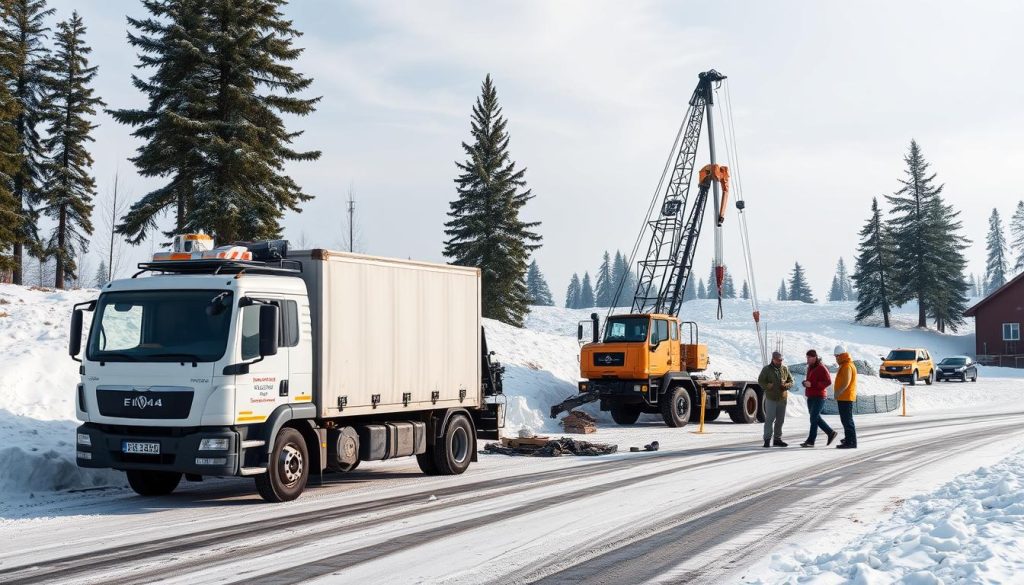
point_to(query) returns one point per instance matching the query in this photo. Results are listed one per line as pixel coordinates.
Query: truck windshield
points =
(160, 326)
(632, 329)
(901, 355)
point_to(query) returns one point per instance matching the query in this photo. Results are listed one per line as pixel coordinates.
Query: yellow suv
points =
(908, 365)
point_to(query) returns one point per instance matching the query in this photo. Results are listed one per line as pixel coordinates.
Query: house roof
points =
(974, 310)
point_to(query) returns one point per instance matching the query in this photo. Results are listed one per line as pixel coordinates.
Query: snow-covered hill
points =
(37, 378)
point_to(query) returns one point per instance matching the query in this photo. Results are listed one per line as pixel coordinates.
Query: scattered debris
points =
(526, 433)
(652, 447)
(550, 448)
(634, 449)
(580, 423)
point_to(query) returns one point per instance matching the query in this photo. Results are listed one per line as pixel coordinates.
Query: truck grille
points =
(609, 358)
(147, 404)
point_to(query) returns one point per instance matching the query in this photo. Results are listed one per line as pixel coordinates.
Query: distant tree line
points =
(1005, 257)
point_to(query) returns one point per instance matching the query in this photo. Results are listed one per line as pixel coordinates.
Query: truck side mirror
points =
(579, 332)
(75, 342)
(268, 330)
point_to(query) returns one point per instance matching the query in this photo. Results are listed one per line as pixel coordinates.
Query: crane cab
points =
(643, 346)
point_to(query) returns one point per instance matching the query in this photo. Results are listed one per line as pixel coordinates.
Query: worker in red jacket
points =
(816, 383)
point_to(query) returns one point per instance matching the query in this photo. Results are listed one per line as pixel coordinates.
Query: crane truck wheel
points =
(747, 409)
(626, 414)
(676, 406)
(153, 483)
(288, 469)
(454, 450)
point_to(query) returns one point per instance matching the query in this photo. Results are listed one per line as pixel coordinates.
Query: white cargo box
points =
(392, 335)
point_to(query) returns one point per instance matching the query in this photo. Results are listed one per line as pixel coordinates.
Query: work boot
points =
(767, 443)
(805, 444)
(832, 437)
(780, 443)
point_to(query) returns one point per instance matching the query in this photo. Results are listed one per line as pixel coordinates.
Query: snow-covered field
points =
(43, 492)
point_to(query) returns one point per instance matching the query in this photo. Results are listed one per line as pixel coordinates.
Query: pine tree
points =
(799, 290)
(873, 267)
(604, 291)
(690, 292)
(835, 293)
(996, 266)
(1017, 237)
(745, 291)
(923, 229)
(783, 294)
(28, 77)
(537, 287)
(702, 293)
(625, 282)
(68, 187)
(728, 287)
(102, 275)
(212, 129)
(485, 229)
(10, 210)
(586, 292)
(947, 300)
(845, 285)
(572, 294)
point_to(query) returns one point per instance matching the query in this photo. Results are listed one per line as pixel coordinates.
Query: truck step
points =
(253, 443)
(253, 470)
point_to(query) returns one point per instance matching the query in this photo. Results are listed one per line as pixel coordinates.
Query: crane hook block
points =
(718, 173)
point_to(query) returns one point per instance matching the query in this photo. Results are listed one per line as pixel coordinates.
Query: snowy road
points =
(701, 509)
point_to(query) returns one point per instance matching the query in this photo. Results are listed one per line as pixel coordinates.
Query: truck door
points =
(675, 358)
(660, 343)
(266, 385)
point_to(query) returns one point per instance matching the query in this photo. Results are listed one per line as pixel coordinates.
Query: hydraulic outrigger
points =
(643, 364)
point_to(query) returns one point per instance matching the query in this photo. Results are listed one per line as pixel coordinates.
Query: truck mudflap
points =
(198, 451)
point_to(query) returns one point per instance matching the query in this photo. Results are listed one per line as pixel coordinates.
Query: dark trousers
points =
(814, 407)
(846, 415)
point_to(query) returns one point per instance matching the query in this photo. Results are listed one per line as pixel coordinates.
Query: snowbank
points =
(969, 530)
(37, 393)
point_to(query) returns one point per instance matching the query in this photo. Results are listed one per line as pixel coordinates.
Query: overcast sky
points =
(826, 97)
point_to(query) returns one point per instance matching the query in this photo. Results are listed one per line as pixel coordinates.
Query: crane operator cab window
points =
(628, 329)
(660, 332)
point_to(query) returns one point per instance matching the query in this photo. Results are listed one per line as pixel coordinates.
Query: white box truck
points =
(250, 361)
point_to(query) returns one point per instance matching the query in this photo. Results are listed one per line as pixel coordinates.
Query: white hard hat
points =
(840, 350)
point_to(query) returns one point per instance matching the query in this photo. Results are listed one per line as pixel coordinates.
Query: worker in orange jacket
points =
(845, 388)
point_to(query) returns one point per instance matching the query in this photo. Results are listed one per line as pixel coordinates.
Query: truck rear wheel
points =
(153, 483)
(288, 469)
(452, 453)
(626, 414)
(676, 407)
(746, 411)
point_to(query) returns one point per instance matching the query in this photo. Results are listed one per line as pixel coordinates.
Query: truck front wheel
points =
(452, 452)
(676, 406)
(153, 483)
(288, 469)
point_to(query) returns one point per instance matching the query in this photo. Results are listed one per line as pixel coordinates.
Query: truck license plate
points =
(140, 447)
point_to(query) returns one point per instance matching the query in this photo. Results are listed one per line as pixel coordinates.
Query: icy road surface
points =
(703, 508)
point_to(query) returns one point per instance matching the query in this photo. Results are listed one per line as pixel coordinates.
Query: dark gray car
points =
(958, 367)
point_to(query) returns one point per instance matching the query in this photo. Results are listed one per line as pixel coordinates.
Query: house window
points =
(1011, 331)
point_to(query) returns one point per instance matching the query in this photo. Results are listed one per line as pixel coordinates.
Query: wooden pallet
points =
(516, 442)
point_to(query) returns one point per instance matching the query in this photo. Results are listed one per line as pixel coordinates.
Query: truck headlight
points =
(214, 445)
(84, 439)
(211, 461)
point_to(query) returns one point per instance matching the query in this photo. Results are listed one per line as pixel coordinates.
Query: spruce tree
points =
(835, 293)
(625, 281)
(996, 265)
(572, 293)
(485, 229)
(604, 291)
(745, 291)
(213, 129)
(586, 292)
(68, 187)
(728, 287)
(845, 284)
(1017, 237)
(537, 287)
(690, 292)
(10, 210)
(102, 276)
(27, 75)
(783, 294)
(799, 290)
(702, 292)
(873, 267)
(947, 300)
(924, 238)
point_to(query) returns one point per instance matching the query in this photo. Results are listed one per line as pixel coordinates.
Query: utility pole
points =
(351, 215)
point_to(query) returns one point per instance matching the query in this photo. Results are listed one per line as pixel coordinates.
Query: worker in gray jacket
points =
(776, 381)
